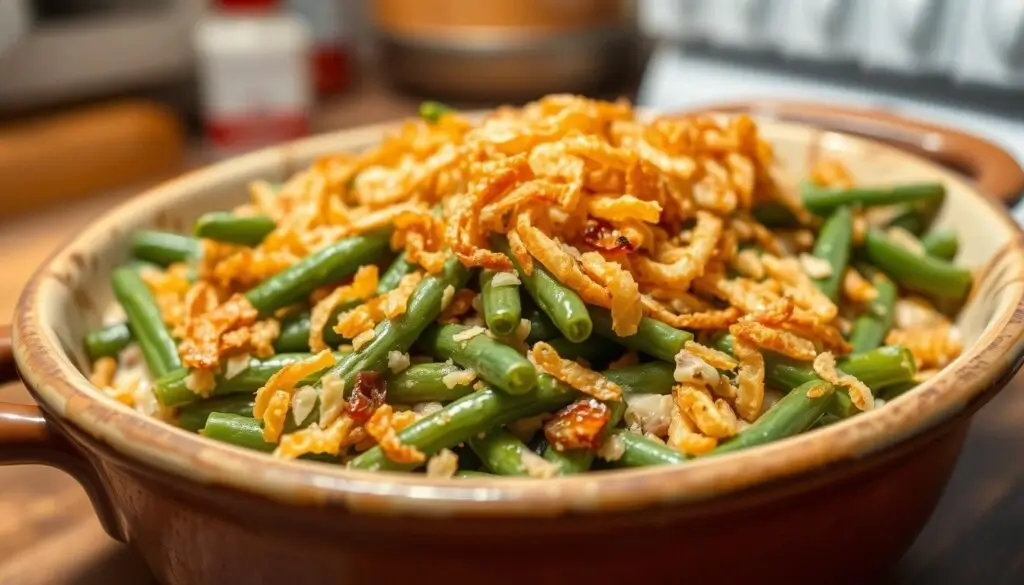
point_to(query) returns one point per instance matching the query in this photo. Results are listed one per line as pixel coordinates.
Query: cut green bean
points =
(432, 111)
(559, 302)
(193, 416)
(639, 451)
(108, 341)
(496, 363)
(773, 214)
(330, 264)
(425, 383)
(871, 326)
(897, 390)
(596, 351)
(794, 413)
(164, 248)
(243, 431)
(502, 309)
(541, 327)
(653, 337)
(468, 416)
(172, 389)
(823, 200)
(400, 333)
(146, 322)
(392, 277)
(833, 246)
(501, 453)
(923, 274)
(294, 335)
(942, 244)
(223, 226)
(648, 378)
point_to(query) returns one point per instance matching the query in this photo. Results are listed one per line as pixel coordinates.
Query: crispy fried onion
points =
(389, 305)
(626, 308)
(776, 340)
(860, 394)
(714, 418)
(684, 436)
(691, 262)
(560, 263)
(273, 398)
(201, 346)
(363, 286)
(933, 346)
(749, 378)
(314, 439)
(422, 236)
(569, 372)
(384, 426)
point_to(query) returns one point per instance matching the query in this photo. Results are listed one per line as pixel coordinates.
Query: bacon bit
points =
(776, 340)
(578, 426)
(315, 439)
(749, 379)
(714, 418)
(932, 346)
(363, 286)
(603, 236)
(713, 357)
(384, 426)
(103, 372)
(860, 394)
(583, 379)
(856, 288)
(444, 464)
(457, 306)
(201, 346)
(368, 394)
(274, 397)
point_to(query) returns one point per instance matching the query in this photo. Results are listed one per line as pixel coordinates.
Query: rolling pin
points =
(84, 152)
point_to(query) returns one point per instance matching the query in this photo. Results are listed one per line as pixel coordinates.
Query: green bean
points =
(243, 431)
(468, 416)
(541, 327)
(223, 226)
(573, 461)
(502, 310)
(653, 337)
(794, 413)
(942, 244)
(400, 333)
(833, 246)
(146, 322)
(392, 277)
(596, 351)
(172, 389)
(871, 326)
(501, 452)
(425, 383)
(193, 416)
(648, 378)
(164, 248)
(823, 200)
(294, 335)
(247, 432)
(897, 390)
(773, 214)
(496, 363)
(330, 264)
(916, 217)
(108, 341)
(433, 111)
(639, 451)
(921, 273)
(471, 474)
(879, 368)
(559, 302)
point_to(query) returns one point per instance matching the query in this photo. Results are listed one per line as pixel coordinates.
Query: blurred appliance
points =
(959, 62)
(72, 49)
(505, 49)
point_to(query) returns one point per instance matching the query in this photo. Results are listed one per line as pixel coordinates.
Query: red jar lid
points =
(247, 4)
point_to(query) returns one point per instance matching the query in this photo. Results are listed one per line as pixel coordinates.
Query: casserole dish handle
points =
(27, 437)
(994, 170)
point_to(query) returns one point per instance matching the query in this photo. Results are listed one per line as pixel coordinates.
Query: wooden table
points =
(49, 536)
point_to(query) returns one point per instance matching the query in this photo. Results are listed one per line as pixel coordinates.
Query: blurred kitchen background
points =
(104, 94)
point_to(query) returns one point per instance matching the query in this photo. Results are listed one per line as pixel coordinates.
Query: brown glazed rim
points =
(963, 386)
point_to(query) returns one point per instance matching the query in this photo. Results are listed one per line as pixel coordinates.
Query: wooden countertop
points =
(49, 535)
